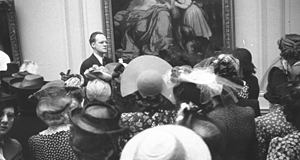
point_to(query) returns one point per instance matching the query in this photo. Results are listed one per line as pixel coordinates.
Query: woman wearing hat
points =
(95, 132)
(287, 70)
(53, 107)
(10, 149)
(208, 107)
(288, 147)
(167, 142)
(146, 97)
(24, 87)
(228, 67)
(274, 124)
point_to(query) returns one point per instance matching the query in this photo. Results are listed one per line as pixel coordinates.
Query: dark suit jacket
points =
(89, 62)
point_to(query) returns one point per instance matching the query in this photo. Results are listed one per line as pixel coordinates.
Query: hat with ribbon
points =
(147, 74)
(167, 142)
(29, 82)
(97, 118)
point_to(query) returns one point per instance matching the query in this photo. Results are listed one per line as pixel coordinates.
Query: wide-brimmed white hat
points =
(166, 142)
(146, 75)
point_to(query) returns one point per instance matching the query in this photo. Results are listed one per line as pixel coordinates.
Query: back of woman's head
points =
(54, 111)
(227, 66)
(87, 145)
(292, 103)
(98, 90)
(289, 46)
(244, 56)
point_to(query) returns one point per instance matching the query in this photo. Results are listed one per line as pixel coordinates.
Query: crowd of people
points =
(152, 109)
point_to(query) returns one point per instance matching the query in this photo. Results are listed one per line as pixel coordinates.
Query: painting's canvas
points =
(162, 27)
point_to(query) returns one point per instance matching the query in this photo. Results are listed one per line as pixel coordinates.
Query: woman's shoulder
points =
(13, 147)
(14, 143)
(286, 147)
(250, 78)
(275, 115)
(275, 72)
(46, 134)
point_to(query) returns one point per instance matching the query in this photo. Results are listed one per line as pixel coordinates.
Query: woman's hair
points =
(227, 66)
(9, 104)
(98, 90)
(292, 103)
(244, 56)
(289, 46)
(53, 117)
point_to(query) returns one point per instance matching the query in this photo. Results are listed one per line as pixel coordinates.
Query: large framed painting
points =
(9, 42)
(168, 28)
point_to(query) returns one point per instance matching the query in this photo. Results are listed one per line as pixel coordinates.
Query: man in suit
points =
(98, 43)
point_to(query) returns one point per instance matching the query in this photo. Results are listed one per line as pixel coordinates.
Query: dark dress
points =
(54, 146)
(12, 149)
(276, 77)
(253, 89)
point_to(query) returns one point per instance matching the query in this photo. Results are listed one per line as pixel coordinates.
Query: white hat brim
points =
(195, 147)
(137, 66)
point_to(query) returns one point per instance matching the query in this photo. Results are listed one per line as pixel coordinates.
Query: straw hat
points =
(146, 75)
(167, 142)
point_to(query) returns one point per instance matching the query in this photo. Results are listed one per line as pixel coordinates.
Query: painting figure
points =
(194, 16)
(144, 27)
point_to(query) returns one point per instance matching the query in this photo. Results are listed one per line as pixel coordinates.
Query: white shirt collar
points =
(100, 59)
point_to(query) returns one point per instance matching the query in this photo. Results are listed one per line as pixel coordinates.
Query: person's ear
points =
(93, 44)
(284, 64)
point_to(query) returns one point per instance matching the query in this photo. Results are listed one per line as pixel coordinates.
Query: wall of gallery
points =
(55, 33)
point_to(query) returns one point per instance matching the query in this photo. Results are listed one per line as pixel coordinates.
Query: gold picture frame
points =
(9, 32)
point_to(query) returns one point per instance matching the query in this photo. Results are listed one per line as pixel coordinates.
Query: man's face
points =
(100, 44)
(7, 117)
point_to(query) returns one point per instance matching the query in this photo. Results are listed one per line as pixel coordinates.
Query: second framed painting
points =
(180, 31)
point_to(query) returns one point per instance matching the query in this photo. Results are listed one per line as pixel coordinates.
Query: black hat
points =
(7, 99)
(97, 118)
